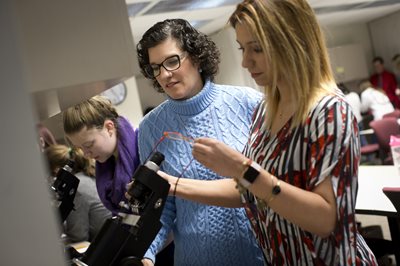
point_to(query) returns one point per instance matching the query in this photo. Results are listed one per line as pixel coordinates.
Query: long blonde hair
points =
(295, 49)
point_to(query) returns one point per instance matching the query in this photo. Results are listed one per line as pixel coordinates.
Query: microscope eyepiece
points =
(69, 166)
(157, 158)
(155, 161)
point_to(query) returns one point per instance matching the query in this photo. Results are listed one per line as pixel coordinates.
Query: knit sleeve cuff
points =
(149, 255)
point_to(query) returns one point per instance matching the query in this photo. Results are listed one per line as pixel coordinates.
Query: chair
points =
(370, 149)
(373, 234)
(395, 113)
(383, 129)
(393, 193)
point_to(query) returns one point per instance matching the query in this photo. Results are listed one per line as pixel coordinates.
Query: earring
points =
(200, 70)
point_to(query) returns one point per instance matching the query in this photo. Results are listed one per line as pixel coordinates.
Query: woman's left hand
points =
(171, 180)
(218, 157)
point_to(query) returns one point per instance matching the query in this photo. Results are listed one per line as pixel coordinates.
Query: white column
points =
(28, 226)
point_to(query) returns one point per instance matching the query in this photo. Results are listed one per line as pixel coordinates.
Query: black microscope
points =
(64, 187)
(124, 239)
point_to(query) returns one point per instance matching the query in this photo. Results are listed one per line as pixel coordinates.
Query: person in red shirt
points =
(385, 80)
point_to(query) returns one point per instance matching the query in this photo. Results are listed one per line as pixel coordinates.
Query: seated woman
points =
(89, 213)
(374, 100)
(46, 138)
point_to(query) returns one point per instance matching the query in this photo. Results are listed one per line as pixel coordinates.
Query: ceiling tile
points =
(134, 9)
(198, 23)
(353, 6)
(211, 15)
(183, 5)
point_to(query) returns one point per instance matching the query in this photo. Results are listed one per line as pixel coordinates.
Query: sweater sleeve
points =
(167, 220)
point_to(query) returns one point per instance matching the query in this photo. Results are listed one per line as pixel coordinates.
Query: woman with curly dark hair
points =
(182, 63)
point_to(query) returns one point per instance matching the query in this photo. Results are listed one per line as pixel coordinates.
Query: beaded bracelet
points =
(244, 182)
(176, 184)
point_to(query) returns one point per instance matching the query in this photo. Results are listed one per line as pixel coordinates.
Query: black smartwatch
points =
(250, 174)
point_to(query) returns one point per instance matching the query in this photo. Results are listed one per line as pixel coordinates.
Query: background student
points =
(374, 100)
(46, 138)
(386, 81)
(89, 213)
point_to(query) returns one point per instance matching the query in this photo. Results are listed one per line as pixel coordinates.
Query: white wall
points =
(385, 37)
(348, 63)
(231, 70)
(351, 34)
(131, 108)
(148, 95)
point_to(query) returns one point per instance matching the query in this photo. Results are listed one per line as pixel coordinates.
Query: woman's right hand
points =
(218, 157)
(147, 262)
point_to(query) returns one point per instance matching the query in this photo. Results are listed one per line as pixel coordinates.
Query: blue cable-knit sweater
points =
(203, 235)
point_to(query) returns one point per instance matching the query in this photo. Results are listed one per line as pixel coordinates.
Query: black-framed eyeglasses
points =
(170, 64)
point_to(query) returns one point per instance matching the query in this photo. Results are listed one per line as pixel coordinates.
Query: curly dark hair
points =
(201, 49)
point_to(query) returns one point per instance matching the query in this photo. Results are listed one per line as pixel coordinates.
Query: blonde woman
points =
(89, 213)
(297, 176)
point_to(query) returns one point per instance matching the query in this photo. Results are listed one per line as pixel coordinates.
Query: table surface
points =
(371, 180)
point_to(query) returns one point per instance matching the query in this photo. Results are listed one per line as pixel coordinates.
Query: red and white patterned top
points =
(325, 146)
